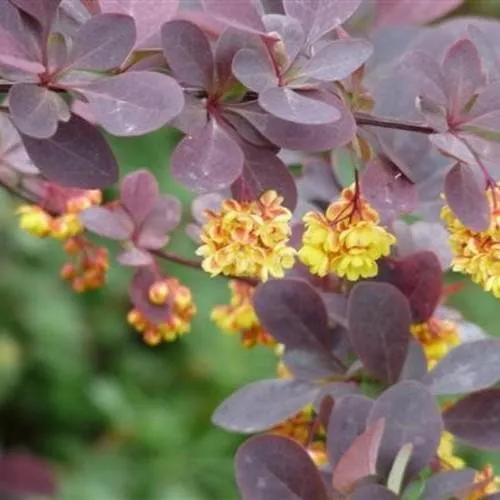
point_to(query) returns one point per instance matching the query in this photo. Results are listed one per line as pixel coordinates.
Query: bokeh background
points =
(120, 420)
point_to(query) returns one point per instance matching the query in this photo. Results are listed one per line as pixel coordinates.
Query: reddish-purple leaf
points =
(263, 171)
(318, 17)
(293, 312)
(148, 19)
(311, 364)
(12, 153)
(261, 405)
(387, 188)
(402, 12)
(134, 103)
(76, 156)
(208, 161)
(139, 295)
(452, 146)
(25, 475)
(134, 257)
(347, 422)
(254, 68)
(139, 193)
(338, 59)
(412, 416)
(433, 113)
(57, 51)
(243, 14)
(33, 110)
(462, 74)
(112, 223)
(372, 492)
(188, 53)
(360, 460)
(379, 326)
(448, 483)
(475, 419)
(163, 218)
(467, 368)
(103, 42)
(297, 106)
(415, 367)
(419, 277)
(43, 11)
(290, 32)
(272, 467)
(466, 198)
(485, 113)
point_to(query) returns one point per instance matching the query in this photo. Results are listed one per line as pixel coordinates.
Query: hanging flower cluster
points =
(177, 322)
(248, 239)
(477, 253)
(239, 316)
(437, 337)
(347, 240)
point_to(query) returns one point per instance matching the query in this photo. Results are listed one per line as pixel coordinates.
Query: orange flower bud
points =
(158, 293)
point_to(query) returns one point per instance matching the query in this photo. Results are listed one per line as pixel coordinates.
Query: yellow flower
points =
(178, 321)
(437, 337)
(66, 226)
(477, 253)
(248, 239)
(35, 220)
(347, 240)
(239, 316)
(487, 484)
(446, 453)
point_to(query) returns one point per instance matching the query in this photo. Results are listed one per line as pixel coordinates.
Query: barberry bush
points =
(344, 159)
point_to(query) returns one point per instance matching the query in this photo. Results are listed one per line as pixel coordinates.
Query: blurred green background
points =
(118, 419)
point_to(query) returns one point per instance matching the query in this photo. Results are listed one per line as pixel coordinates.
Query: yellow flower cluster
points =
(239, 316)
(347, 240)
(437, 337)
(179, 319)
(446, 453)
(90, 266)
(305, 429)
(477, 253)
(38, 222)
(248, 239)
(486, 482)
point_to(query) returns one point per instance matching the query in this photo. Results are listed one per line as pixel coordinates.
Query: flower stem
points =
(376, 121)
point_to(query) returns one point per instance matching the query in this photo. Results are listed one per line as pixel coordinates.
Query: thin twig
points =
(376, 121)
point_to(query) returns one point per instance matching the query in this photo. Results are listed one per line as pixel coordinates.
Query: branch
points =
(375, 121)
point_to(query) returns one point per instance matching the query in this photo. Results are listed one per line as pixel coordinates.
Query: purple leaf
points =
(372, 492)
(254, 68)
(360, 460)
(242, 14)
(103, 42)
(347, 422)
(408, 12)
(139, 193)
(452, 146)
(43, 11)
(188, 53)
(134, 257)
(466, 198)
(163, 218)
(113, 223)
(318, 17)
(379, 326)
(419, 278)
(76, 156)
(310, 364)
(475, 419)
(13, 156)
(208, 161)
(134, 103)
(415, 367)
(412, 416)
(261, 405)
(290, 32)
(33, 110)
(433, 113)
(297, 106)
(485, 113)
(293, 312)
(57, 51)
(448, 483)
(148, 20)
(272, 467)
(25, 475)
(264, 171)
(338, 59)
(139, 295)
(387, 188)
(462, 73)
(467, 368)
